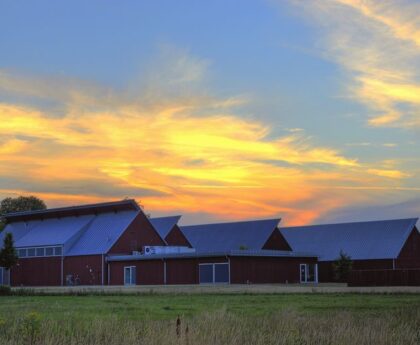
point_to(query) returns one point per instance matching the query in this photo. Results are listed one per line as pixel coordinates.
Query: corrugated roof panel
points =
(224, 237)
(18, 230)
(361, 240)
(53, 231)
(102, 233)
(163, 225)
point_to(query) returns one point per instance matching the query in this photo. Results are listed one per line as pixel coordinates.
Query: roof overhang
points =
(115, 206)
(232, 253)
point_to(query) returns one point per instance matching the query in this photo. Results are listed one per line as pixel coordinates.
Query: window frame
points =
(213, 265)
(306, 270)
(133, 277)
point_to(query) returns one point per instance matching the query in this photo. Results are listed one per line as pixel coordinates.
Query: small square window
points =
(49, 251)
(22, 253)
(57, 251)
(31, 251)
(40, 252)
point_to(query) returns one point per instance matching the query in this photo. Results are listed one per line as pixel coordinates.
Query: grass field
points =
(211, 319)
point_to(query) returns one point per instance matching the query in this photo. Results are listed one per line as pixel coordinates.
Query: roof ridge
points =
(241, 221)
(357, 222)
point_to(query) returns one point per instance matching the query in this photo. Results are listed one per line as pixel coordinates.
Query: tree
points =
(20, 204)
(8, 255)
(342, 267)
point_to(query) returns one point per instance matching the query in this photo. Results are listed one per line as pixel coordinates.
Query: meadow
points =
(211, 319)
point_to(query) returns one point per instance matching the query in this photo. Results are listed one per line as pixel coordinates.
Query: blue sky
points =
(325, 94)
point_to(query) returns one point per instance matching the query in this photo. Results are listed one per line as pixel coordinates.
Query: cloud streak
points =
(378, 45)
(186, 151)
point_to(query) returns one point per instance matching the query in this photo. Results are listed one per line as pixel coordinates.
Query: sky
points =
(218, 110)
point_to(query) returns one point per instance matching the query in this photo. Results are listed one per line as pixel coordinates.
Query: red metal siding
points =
(266, 270)
(183, 271)
(276, 241)
(398, 277)
(326, 270)
(176, 238)
(87, 267)
(37, 272)
(138, 234)
(409, 256)
(147, 272)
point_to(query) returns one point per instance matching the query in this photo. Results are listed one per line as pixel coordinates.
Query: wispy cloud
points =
(184, 151)
(378, 44)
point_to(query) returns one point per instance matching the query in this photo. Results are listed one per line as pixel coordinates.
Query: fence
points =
(397, 277)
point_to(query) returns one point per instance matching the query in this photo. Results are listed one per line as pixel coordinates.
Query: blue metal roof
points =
(223, 237)
(362, 240)
(102, 233)
(83, 235)
(164, 225)
(53, 231)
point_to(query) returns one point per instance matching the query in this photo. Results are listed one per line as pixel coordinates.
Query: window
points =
(39, 252)
(214, 273)
(130, 275)
(308, 273)
(206, 273)
(221, 273)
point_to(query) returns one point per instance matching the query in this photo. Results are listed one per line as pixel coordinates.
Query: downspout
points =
(228, 257)
(109, 272)
(164, 271)
(102, 275)
(62, 270)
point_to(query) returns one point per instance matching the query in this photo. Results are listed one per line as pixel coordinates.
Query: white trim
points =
(131, 268)
(306, 269)
(213, 264)
(35, 250)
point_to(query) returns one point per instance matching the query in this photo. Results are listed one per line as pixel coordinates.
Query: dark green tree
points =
(342, 267)
(8, 255)
(20, 204)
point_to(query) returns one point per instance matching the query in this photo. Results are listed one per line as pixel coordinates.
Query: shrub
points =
(31, 326)
(5, 290)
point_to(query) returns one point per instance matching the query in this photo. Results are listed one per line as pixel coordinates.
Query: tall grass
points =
(401, 327)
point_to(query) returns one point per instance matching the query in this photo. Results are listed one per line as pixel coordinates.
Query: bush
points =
(5, 290)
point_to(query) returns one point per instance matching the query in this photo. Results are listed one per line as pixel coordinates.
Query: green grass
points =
(212, 319)
(158, 307)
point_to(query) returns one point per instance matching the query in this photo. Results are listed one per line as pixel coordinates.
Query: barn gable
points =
(361, 240)
(222, 237)
(169, 230)
(276, 241)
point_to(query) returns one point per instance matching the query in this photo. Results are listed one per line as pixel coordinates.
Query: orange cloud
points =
(188, 152)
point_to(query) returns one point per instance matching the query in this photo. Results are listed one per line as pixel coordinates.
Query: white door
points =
(130, 275)
(308, 273)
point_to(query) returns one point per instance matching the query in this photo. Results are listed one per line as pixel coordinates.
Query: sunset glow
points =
(180, 140)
